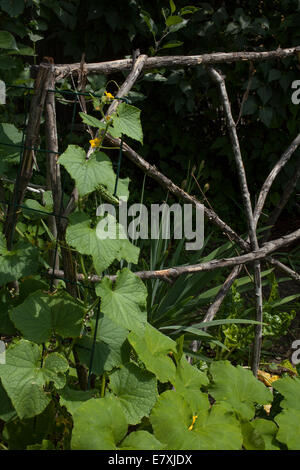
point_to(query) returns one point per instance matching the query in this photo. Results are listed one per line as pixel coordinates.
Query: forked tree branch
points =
(219, 79)
(213, 309)
(166, 183)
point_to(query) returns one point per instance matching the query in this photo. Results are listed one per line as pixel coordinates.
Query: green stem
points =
(67, 354)
(103, 383)
(94, 304)
(229, 352)
(36, 234)
(83, 267)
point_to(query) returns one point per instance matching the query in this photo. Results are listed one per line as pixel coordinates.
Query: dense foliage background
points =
(181, 121)
(140, 382)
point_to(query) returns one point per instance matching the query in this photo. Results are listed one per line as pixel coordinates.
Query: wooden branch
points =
(256, 349)
(272, 175)
(57, 225)
(176, 271)
(214, 307)
(130, 80)
(28, 157)
(284, 268)
(288, 191)
(34, 188)
(114, 66)
(53, 168)
(71, 205)
(219, 79)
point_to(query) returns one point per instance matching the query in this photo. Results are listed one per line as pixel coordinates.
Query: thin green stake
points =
(93, 347)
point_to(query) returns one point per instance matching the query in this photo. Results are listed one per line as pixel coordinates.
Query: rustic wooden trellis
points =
(44, 100)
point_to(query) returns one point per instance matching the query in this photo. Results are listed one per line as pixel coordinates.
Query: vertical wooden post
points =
(28, 156)
(53, 169)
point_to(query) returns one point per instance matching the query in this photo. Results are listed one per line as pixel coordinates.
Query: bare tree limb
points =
(284, 268)
(272, 175)
(28, 157)
(137, 67)
(176, 271)
(110, 67)
(34, 188)
(214, 307)
(288, 191)
(219, 79)
(53, 169)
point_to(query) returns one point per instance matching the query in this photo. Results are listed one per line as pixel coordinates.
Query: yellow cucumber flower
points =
(95, 142)
(109, 95)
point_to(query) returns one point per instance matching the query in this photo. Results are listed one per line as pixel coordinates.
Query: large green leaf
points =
(252, 439)
(89, 174)
(136, 390)
(141, 440)
(99, 424)
(7, 411)
(170, 419)
(125, 300)
(7, 41)
(289, 428)
(103, 250)
(8, 301)
(175, 425)
(127, 121)
(20, 433)
(153, 349)
(6, 325)
(92, 121)
(267, 429)
(188, 381)
(73, 399)
(290, 388)
(10, 139)
(41, 315)
(218, 429)
(23, 377)
(13, 8)
(32, 209)
(238, 386)
(110, 348)
(20, 262)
